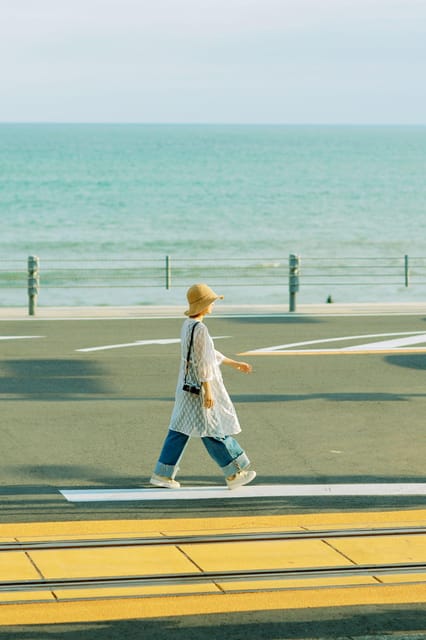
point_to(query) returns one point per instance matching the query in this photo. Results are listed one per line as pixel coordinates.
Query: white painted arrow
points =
(139, 343)
(19, 337)
(414, 337)
(390, 344)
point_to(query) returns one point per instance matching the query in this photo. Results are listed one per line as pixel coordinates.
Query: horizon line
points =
(213, 124)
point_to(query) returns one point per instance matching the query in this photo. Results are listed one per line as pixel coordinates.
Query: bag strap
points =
(189, 350)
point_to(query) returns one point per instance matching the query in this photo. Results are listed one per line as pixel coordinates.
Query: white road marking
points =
(415, 337)
(391, 344)
(19, 337)
(249, 491)
(131, 344)
(139, 343)
(335, 352)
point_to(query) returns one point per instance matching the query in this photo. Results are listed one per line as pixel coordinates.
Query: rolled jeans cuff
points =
(166, 470)
(242, 462)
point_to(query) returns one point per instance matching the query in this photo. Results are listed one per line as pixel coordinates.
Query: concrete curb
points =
(69, 313)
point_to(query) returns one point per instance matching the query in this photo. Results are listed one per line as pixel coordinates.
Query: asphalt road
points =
(97, 419)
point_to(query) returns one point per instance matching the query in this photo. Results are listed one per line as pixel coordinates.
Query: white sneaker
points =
(163, 481)
(239, 479)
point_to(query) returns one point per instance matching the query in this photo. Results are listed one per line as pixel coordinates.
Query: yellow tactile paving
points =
(233, 531)
(383, 549)
(208, 597)
(27, 596)
(207, 587)
(305, 583)
(415, 517)
(278, 554)
(133, 608)
(88, 536)
(403, 577)
(127, 561)
(154, 534)
(385, 523)
(15, 565)
(175, 589)
(7, 540)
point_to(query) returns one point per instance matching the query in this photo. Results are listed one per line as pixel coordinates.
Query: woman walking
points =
(203, 407)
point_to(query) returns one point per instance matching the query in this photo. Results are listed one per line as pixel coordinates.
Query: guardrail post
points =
(406, 271)
(168, 272)
(33, 283)
(293, 279)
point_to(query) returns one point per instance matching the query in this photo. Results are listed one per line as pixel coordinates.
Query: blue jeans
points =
(226, 452)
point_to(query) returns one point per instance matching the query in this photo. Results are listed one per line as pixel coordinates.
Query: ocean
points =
(227, 203)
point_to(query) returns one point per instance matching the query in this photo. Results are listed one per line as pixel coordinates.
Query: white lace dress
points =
(189, 416)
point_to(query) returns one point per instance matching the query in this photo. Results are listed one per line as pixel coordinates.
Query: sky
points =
(213, 61)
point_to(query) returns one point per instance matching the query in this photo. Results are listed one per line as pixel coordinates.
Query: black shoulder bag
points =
(188, 386)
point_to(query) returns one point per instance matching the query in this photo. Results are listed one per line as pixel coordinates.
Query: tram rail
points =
(374, 570)
(247, 576)
(269, 536)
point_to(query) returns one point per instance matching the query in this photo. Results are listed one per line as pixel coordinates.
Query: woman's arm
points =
(208, 401)
(239, 366)
(207, 395)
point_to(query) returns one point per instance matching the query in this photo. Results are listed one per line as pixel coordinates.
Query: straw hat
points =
(199, 297)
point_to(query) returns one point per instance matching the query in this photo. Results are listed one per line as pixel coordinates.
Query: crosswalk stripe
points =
(249, 491)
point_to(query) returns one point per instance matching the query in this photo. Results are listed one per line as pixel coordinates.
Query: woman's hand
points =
(244, 367)
(208, 401)
(239, 366)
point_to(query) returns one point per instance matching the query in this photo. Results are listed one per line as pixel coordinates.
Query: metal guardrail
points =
(168, 273)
